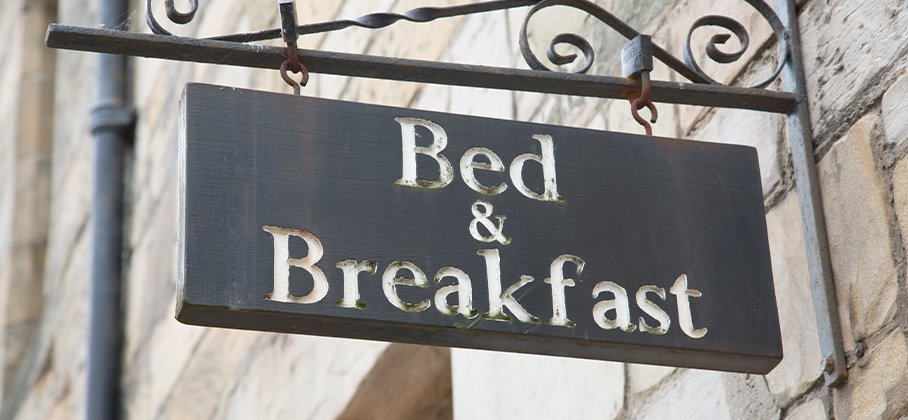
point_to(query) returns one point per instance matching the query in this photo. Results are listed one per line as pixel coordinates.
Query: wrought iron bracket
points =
(813, 220)
(701, 90)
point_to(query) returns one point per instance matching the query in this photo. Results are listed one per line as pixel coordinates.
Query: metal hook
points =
(638, 104)
(288, 32)
(645, 101)
(304, 78)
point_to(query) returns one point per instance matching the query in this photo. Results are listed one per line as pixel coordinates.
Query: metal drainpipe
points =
(111, 128)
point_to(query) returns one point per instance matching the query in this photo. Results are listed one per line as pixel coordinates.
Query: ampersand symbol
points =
(481, 212)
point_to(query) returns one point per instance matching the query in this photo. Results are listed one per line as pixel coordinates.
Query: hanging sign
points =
(332, 218)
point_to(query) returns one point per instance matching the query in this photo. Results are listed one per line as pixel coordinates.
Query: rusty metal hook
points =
(645, 101)
(638, 104)
(287, 65)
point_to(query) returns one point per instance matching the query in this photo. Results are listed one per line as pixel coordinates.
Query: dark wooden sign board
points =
(268, 181)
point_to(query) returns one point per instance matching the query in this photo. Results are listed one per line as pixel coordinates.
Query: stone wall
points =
(9, 80)
(855, 56)
(27, 109)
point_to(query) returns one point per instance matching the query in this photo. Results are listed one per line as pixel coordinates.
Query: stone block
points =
(17, 342)
(812, 409)
(800, 366)
(895, 113)
(151, 281)
(210, 375)
(571, 111)
(71, 171)
(212, 21)
(403, 40)
(57, 361)
(856, 203)
(4, 340)
(163, 356)
(900, 192)
(689, 394)
(154, 170)
(379, 92)
(436, 98)
(72, 131)
(35, 128)
(597, 122)
(32, 200)
(229, 76)
(700, 394)
(482, 102)
(353, 41)
(528, 104)
(484, 39)
(156, 98)
(877, 386)
(490, 31)
(51, 399)
(760, 130)
(552, 110)
(490, 385)
(749, 397)
(580, 112)
(80, 13)
(310, 12)
(849, 47)
(69, 209)
(37, 61)
(25, 293)
(327, 371)
(644, 377)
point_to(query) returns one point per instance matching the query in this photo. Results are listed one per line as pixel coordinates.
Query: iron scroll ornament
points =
(740, 32)
(175, 16)
(689, 68)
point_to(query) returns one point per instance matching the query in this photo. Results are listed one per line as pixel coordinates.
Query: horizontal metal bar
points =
(267, 57)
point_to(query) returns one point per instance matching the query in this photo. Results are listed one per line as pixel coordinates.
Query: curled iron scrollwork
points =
(689, 68)
(740, 32)
(175, 16)
(561, 59)
(574, 40)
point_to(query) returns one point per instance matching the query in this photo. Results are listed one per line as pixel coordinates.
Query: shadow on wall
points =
(406, 382)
